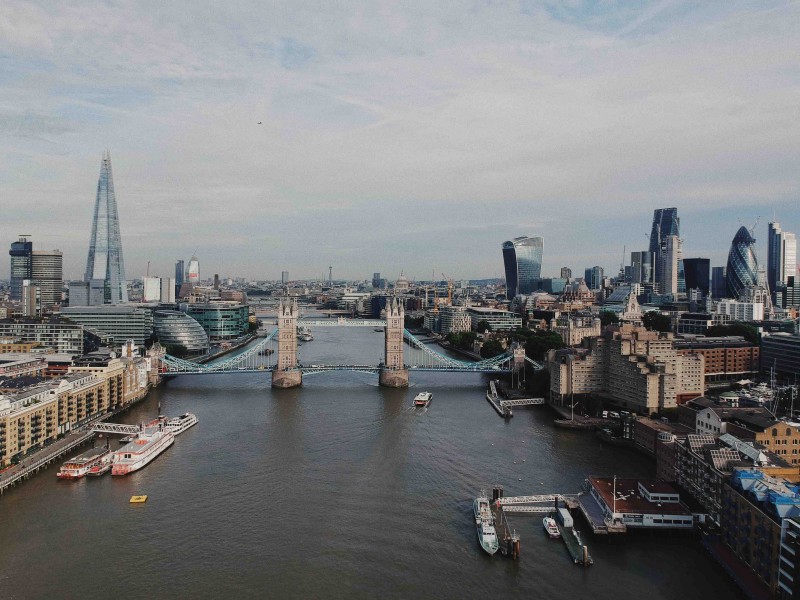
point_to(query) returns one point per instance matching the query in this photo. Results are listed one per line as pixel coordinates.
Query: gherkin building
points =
(742, 271)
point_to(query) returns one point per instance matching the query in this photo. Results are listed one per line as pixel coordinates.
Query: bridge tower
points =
(518, 366)
(286, 373)
(393, 372)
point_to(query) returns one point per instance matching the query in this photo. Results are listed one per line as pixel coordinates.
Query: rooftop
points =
(629, 500)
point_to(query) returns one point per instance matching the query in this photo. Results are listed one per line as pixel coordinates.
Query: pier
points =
(509, 540)
(576, 548)
(41, 459)
(503, 407)
(541, 504)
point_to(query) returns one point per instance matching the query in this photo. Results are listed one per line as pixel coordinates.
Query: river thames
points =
(339, 489)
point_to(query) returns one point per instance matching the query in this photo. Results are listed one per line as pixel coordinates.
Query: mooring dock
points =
(542, 504)
(503, 407)
(576, 548)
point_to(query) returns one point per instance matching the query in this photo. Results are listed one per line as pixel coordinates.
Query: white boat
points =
(423, 399)
(151, 441)
(484, 521)
(77, 467)
(178, 425)
(550, 526)
(304, 334)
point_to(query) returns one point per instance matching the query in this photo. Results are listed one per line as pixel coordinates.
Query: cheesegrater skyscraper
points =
(104, 263)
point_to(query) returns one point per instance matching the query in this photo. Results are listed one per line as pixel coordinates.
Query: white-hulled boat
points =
(77, 467)
(550, 526)
(151, 441)
(422, 399)
(178, 425)
(484, 522)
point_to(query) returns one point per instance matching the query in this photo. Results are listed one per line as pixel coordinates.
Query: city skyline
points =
(438, 132)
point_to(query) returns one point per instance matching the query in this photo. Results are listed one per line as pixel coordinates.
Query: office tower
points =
(718, 286)
(151, 289)
(47, 275)
(285, 278)
(193, 272)
(522, 258)
(86, 293)
(742, 269)
(31, 299)
(665, 224)
(20, 253)
(216, 281)
(593, 277)
(167, 290)
(781, 262)
(670, 265)
(376, 280)
(179, 273)
(642, 267)
(104, 262)
(566, 273)
(698, 274)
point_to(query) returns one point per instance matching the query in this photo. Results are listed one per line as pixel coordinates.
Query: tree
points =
(748, 332)
(483, 325)
(608, 318)
(654, 320)
(491, 348)
(414, 322)
(463, 340)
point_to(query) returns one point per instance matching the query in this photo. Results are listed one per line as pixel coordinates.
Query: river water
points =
(339, 489)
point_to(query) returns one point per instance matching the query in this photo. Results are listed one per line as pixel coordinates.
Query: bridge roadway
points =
(341, 322)
(308, 369)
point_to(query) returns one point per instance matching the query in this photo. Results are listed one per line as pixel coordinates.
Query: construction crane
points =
(449, 289)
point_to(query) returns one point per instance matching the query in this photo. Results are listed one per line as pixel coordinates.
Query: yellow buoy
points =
(138, 499)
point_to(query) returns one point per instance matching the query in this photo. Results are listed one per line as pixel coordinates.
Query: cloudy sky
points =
(415, 135)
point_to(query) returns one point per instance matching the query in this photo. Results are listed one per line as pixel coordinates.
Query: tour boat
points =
(180, 424)
(550, 527)
(151, 441)
(423, 399)
(484, 522)
(304, 334)
(77, 467)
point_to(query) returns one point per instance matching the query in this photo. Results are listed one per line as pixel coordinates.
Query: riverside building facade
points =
(631, 367)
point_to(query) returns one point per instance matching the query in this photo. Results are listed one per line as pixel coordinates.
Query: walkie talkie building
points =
(104, 262)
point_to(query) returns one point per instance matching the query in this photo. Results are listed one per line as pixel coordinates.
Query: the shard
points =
(104, 265)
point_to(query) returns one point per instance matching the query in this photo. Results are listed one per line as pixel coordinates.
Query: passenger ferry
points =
(423, 399)
(178, 425)
(77, 467)
(151, 441)
(304, 334)
(484, 522)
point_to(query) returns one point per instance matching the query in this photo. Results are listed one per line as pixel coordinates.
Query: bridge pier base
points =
(287, 379)
(393, 378)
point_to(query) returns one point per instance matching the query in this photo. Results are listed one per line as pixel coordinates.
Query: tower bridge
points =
(402, 353)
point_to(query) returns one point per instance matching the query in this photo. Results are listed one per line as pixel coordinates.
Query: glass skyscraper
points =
(522, 258)
(698, 274)
(781, 262)
(104, 262)
(21, 254)
(742, 269)
(667, 266)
